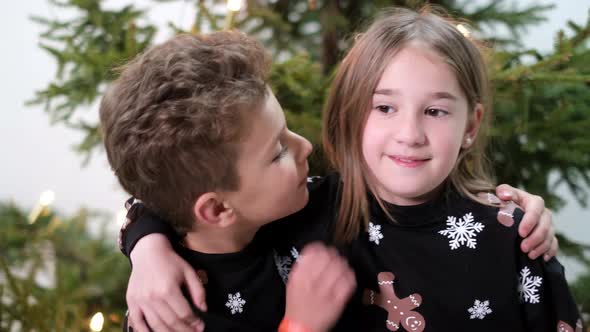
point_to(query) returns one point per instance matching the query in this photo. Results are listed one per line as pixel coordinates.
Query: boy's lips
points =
(408, 161)
(304, 180)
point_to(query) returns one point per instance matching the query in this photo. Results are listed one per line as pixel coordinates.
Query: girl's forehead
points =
(418, 65)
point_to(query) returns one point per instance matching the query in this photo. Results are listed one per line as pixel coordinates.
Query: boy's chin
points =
(304, 200)
(299, 203)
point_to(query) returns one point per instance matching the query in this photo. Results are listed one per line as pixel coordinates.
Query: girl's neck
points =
(411, 200)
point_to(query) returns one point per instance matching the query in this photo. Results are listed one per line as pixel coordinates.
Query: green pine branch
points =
(86, 48)
(89, 273)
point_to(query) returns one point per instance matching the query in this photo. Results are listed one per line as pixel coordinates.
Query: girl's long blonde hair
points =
(351, 93)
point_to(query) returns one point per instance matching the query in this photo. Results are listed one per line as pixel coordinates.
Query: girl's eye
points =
(281, 154)
(384, 109)
(435, 112)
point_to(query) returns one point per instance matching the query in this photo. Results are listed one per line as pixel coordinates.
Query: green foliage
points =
(581, 289)
(323, 28)
(301, 87)
(88, 273)
(541, 108)
(581, 286)
(87, 48)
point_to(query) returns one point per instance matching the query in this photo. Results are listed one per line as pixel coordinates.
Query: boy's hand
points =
(154, 294)
(537, 224)
(319, 286)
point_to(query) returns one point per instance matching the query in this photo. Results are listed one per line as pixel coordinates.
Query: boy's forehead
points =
(272, 102)
(265, 125)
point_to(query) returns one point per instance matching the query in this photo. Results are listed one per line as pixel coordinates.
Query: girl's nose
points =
(410, 130)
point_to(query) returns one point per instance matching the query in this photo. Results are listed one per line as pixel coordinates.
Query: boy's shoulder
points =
(243, 290)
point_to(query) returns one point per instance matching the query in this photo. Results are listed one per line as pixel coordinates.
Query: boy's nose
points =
(305, 148)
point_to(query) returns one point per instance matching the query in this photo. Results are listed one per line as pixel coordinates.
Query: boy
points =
(193, 131)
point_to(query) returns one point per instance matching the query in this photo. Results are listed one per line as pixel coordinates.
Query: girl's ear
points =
(210, 209)
(473, 124)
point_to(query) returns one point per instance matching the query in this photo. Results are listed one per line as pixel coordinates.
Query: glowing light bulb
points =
(47, 197)
(463, 29)
(234, 5)
(121, 217)
(96, 322)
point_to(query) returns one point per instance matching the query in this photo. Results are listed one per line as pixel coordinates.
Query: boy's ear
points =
(473, 124)
(210, 209)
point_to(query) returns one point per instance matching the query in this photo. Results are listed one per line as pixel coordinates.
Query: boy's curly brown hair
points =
(172, 120)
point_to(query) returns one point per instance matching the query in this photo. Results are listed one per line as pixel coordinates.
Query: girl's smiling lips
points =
(408, 161)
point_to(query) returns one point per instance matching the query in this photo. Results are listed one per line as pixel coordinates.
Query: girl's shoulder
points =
(490, 209)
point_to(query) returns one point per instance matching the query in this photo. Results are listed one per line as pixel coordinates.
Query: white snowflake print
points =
(480, 309)
(235, 303)
(374, 233)
(295, 253)
(283, 264)
(528, 286)
(312, 179)
(462, 231)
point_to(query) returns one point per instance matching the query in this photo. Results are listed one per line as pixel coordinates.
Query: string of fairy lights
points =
(43, 207)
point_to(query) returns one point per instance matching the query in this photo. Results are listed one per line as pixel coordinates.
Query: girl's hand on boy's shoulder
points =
(536, 226)
(320, 284)
(154, 294)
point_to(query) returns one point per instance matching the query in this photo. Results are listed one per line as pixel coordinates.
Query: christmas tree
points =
(541, 106)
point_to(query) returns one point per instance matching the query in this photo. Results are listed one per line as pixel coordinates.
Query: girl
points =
(405, 122)
(404, 129)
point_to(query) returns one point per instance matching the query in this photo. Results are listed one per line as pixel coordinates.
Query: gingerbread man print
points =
(400, 311)
(565, 327)
(506, 212)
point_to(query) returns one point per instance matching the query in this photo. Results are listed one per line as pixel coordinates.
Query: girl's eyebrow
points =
(436, 95)
(387, 92)
(443, 95)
